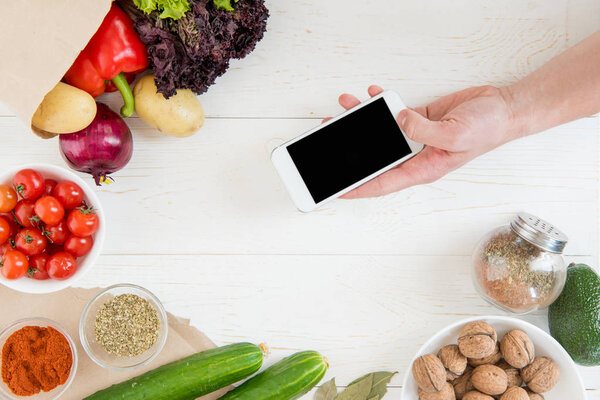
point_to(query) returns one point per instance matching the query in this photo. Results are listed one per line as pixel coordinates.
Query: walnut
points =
(517, 348)
(489, 379)
(491, 359)
(515, 393)
(513, 374)
(454, 362)
(475, 395)
(463, 384)
(447, 393)
(429, 373)
(541, 375)
(477, 339)
(533, 395)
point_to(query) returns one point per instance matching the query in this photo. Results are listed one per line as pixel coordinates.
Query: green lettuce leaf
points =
(174, 9)
(146, 6)
(224, 4)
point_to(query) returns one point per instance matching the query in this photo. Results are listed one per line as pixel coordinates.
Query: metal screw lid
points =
(539, 232)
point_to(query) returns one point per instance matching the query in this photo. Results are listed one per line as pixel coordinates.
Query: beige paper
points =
(66, 306)
(40, 41)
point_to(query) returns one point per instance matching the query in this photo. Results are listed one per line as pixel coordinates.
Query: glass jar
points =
(520, 267)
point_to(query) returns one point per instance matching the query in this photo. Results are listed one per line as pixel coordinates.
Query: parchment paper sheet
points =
(65, 307)
(40, 41)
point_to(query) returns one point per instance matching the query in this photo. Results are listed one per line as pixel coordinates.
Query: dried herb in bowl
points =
(127, 325)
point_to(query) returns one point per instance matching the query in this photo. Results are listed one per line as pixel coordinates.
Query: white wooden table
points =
(206, 224)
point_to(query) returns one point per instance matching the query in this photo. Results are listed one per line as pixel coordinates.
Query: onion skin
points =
(100, 149)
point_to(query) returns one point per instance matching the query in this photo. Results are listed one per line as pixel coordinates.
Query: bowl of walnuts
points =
(489, 358)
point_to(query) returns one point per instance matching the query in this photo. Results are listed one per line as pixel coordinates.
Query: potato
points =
(181, 115)
(65, 109)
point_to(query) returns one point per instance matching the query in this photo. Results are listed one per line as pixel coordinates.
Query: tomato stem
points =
(28, 238)
(16, 219)
(47, 234)
(20, 189)
(85, 209)
(35, 220)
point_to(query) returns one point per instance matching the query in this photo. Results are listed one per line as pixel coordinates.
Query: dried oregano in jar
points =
(519, 267)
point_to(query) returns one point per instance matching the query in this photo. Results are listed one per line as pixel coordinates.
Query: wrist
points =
(518, 109)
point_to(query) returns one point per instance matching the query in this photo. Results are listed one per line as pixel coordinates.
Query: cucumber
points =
(289, 379)
(190, 377)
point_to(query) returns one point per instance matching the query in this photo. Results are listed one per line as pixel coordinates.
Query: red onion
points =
(102, 148)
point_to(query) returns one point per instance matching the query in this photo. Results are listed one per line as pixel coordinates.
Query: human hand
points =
(455, 129)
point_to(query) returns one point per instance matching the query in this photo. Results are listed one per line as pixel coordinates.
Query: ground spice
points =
(35, 358)
(127, 325)
(505, 273)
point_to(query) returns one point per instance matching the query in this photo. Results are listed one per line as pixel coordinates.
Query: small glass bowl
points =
(55, 393)
(87, 333)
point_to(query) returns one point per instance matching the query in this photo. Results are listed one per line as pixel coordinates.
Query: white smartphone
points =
(344, 152)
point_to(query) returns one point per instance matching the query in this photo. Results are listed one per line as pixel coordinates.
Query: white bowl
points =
(84, 264)
(570, 386)
(5, 392)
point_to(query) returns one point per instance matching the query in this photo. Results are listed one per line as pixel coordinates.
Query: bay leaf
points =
(374, 398)
(328, 391)
(358, 390)
(380, 381)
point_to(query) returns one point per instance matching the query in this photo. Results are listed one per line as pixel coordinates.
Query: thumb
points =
(440, 134)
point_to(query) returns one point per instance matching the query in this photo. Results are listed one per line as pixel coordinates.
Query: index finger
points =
(418, 170)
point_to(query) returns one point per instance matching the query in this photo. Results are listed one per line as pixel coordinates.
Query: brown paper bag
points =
(40, 41)
(66, 306)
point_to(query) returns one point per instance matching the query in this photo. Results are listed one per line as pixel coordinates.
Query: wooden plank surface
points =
(205, 223)
(364, 313)
(219, 189)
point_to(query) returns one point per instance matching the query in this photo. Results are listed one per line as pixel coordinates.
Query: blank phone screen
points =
(349, 150)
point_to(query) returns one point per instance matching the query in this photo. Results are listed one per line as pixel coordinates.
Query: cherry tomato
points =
(37, 267)
(29, 184)
(6, 246)
(69, 194)
(31, 242)
(8, 198)
(79, 246)
(83, 221)
(4, 230)
(52, 249)
(61, 266)
(49, 209)
(14, 225)
(49, 185)
(14, 264)
(25, 213)
(58, 233)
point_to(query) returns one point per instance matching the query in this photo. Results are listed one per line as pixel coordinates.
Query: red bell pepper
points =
(114, 49)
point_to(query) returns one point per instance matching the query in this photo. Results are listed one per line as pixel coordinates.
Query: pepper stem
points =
(121, 83)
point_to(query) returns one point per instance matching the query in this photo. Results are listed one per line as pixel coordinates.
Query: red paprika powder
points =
(35, 358)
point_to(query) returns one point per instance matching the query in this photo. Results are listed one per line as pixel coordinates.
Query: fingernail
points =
(401, 118)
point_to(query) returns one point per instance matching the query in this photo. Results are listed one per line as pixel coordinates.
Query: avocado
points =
(574, 318)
